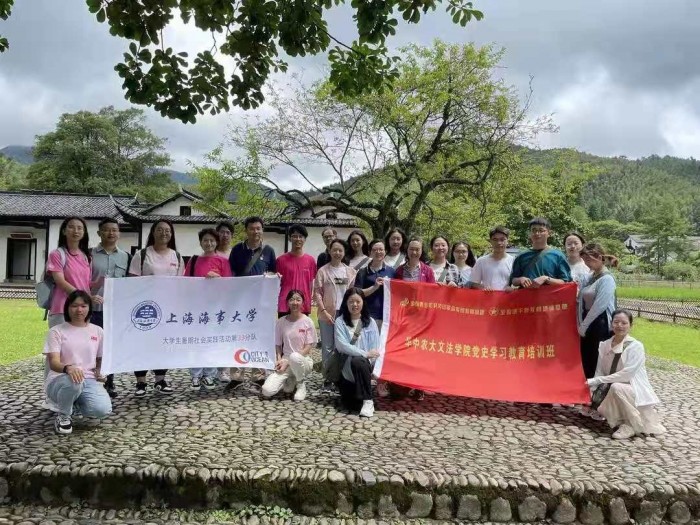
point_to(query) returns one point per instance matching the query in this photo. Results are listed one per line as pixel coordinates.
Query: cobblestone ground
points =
(438, 441)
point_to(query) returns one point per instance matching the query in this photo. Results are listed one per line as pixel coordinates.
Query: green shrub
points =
(676, 271)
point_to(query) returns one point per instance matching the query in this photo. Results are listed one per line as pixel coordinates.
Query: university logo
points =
(241, 356)
(146, 315)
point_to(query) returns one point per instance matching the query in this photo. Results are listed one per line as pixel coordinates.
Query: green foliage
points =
(679, 271)
(111, 151)
(266, 510)
(5, 10)
(612, 247)
(447, 124)
(13, 175)
(612, 229)
(255, 35)
(667, 227)
(659, 293)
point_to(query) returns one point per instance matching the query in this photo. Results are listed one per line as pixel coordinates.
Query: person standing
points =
(396, 244)
(414, 269)
(210, 265)
(542, 265)
(358, 250)
(297, 271)
(492, 271)
(225, 231)
(69, 266)
(251, 257)
(332, 280)
(463, 258)
(159, 257)
(328, 234)
(445, 272)
(108, 261)
(573, 244)
(596, 303)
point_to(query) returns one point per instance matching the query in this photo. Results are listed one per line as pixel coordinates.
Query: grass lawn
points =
(23, 330)
(659, 293)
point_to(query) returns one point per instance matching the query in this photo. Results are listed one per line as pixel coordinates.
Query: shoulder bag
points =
(336, 360)
(600, 393)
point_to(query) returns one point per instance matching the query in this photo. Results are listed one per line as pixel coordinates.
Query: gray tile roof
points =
(31, 203)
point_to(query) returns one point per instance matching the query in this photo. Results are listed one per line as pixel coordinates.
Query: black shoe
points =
(111, 391)
(163, 387)
(140, 389)
(232, 385)
(63, 424)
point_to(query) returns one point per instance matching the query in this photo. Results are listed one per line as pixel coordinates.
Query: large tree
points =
(448, 123)
(105, 152)
(255, 33)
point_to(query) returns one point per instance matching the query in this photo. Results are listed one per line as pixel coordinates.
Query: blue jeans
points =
(90, 396)
(203, 372)
(327, 341)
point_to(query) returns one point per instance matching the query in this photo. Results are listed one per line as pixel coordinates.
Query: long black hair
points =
(404, 240)
(151, 237)
(77, 294)
(83, 244)
(345, 311)
(365, 245)
(471, 260)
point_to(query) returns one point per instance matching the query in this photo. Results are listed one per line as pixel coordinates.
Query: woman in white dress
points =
(630, 402)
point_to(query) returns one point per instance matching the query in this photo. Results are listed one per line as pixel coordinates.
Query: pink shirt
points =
(208, 263)
(157, 264)
(77, 346)
(297, 273)
(76, 272)
(293, 336)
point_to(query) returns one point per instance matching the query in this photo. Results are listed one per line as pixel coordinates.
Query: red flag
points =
(510, 346)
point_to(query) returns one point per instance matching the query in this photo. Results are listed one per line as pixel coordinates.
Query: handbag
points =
(45, 288)
(336, 360)
(600, 393)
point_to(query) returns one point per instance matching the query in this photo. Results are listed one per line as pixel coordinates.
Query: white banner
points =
(189, 322)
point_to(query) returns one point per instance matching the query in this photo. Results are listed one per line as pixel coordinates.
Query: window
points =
(185, 211)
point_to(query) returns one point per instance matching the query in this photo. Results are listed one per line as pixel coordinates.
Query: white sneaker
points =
(63, 424)
(383, 389)
(290, 385)
(196, 384)
(624, 432)
(300, 394)
(224, 376)
(367, 408)
(208, 383)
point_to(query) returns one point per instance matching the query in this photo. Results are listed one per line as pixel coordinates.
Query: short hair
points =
(252, 220)
(107, 220)
(298, 228)
(224, 224)
(624, 312)
(575, 234)
(209, 231)
(376, 241)
(77, 294)
(365, 318)
(539, 221)
(327, 228)
(499, 229)
(293, 292)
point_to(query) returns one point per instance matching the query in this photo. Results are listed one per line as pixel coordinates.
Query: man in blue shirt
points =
(542, 265)
(252, 257)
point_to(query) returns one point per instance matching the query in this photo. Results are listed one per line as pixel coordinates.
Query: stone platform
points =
(443, 458)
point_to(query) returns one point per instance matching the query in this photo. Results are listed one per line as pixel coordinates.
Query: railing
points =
(680, 312)
(658, 284)
(17, 292)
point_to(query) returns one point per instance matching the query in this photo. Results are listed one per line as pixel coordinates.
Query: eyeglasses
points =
(297, 237)
(538, 230)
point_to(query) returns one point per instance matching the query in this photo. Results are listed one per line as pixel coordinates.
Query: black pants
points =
(97, 318)
(353, 394)
(598, 331)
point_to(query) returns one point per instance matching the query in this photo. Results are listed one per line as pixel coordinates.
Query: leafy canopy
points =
(254, 33)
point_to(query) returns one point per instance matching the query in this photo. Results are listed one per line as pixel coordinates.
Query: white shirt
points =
(631, 369)
(579, 273)
(355, 262)
(492, 273)
(395, 260)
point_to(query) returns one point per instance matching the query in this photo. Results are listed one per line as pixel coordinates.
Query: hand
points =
(212, 275)
(379, 282)
(593, 382)
(452, 284)
(525, 282)
(489, 289)
(541, 280)
(372, 354)
(327, 317)
(97, 283)
(99, 377)
(75, 373)
(97, 299)
(581, 331)
(281, 365)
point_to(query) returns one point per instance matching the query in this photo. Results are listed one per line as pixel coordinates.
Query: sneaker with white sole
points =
(367, 408)
(224, 376)
(196, 384)
(208, 383)
(383, 389)
(624, 432)
(300, 394)
(63, 424)
(140, 389)
(290, 384)
(162, 387)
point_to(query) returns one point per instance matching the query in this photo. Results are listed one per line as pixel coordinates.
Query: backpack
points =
(45, 288)
(142, 255)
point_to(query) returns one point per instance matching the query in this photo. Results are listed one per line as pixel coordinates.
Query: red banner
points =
(510, 346)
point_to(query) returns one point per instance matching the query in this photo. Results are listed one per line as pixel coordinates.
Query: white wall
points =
(314, 243)
(173, 207)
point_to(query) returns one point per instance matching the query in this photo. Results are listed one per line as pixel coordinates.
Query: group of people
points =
(346, 284)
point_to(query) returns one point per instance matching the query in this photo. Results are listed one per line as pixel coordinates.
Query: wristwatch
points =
(65, 369)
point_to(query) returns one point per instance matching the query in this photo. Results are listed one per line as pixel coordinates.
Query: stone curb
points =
(361, 493)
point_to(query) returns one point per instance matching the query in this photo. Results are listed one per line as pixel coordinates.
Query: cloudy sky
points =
(621, 77)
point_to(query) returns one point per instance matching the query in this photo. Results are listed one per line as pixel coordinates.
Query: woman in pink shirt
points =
(74, 354)
(160, 257)
(209, 265)
(69, 266)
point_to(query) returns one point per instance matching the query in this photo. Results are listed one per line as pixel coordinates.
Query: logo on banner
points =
(146, 315)
(243, 357)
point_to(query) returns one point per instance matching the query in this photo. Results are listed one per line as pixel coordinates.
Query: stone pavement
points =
(442, 458)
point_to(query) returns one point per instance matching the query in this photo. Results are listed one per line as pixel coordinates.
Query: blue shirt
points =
(551, 263)
(366, 278)
(241, 256)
